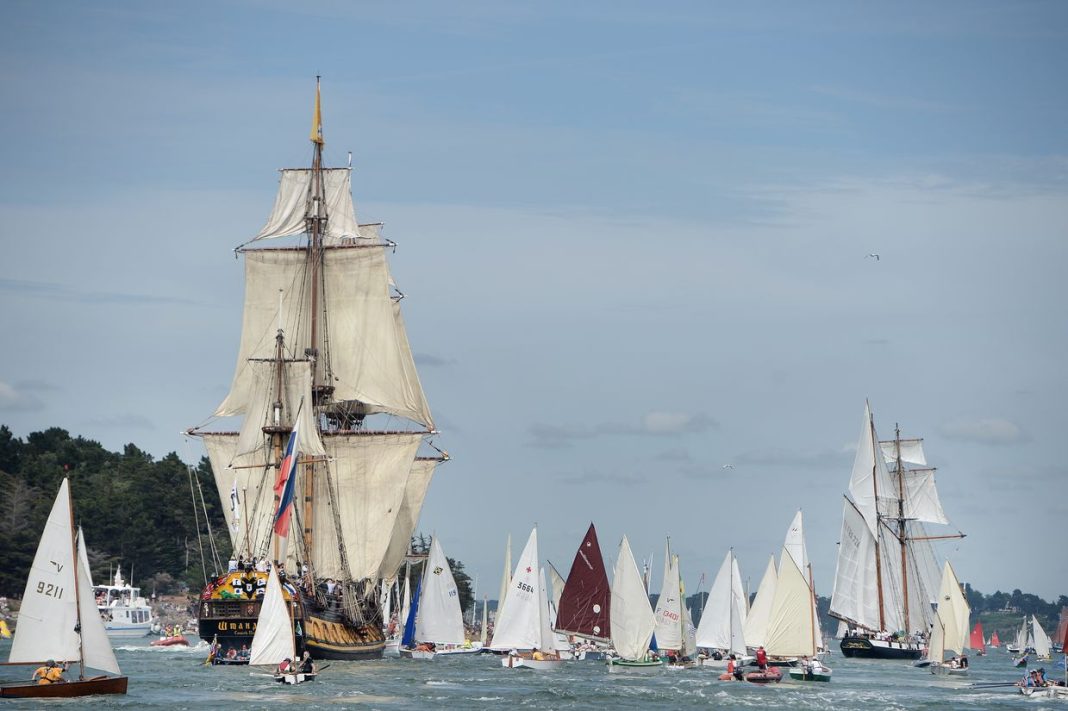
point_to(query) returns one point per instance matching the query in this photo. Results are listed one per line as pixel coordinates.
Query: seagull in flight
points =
(728, 466)
(872, 255)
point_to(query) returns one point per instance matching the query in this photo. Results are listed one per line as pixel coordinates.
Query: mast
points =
(875, 490)
(77, 596)
(901, 525)
(315, 257)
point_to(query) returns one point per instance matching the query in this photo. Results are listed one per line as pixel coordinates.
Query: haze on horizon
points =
(634, 243)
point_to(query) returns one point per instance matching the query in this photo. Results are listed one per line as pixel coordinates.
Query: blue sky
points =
(633, 240)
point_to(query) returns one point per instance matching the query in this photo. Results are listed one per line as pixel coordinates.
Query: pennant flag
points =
(285, 485)
(235, 506)
(317, 118)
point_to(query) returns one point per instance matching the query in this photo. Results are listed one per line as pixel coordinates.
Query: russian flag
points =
(285, 485)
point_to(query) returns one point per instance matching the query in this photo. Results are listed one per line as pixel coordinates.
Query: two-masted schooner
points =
(327, 388)
(887, 575)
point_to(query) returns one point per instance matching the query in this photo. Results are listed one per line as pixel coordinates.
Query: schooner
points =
(887, 576)
(327, 388)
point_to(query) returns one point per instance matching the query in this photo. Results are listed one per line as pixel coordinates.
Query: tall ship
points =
(325, 474)
(887, 573)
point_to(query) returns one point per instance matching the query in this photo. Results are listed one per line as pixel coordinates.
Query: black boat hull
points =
(870, 648)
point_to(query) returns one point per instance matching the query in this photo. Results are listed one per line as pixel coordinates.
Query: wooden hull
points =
(329, 639)
(870, 648)
(68, 689)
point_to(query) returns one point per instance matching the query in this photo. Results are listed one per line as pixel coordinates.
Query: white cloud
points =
(987, 431)
(19, 398)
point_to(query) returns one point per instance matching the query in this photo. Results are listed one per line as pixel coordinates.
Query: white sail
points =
(950, 631)
(669, 606)
(293, 205)
(96, 648)
(911, 451)
(557, 584)
(722, 623)
(439, 619)
(408, 516)
(254, 481)
(363, 495)
(632, 619)
(296, 404)
(546, 639)
(506, 576)
(406, 601)
(921, 497)
(1042, 641)
(556, 590)
(369, 361)
(518, 619)
(273, 640)
(792, 630)
(756, 624)
(49, 611)
(741, 598)
(1021, 636)
(870, 483)
(855, 596)
(795, 542)
(689, 633)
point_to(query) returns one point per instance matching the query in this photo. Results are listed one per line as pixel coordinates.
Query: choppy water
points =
(175, 678)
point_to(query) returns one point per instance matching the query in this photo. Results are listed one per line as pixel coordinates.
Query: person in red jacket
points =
(762, 658)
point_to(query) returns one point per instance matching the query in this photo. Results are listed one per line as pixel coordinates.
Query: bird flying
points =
(872, 255)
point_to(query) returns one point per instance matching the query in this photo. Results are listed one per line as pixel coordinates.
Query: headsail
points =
(519, 619)
(273, 640)
(632, 620)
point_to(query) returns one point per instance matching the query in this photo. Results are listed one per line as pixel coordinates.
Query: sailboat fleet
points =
(323, 503)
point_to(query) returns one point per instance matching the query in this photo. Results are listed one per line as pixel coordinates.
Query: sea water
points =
(176, 678)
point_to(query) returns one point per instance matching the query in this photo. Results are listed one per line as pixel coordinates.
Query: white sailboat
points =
(274, 641)
(58, 619)
(722, 626)
(632, 620)
(950, 631)
(439, 624)
(886, 570)
(756, 623)
(522, 627)
(1042, 644)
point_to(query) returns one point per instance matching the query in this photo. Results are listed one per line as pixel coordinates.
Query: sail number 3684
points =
(50, 590)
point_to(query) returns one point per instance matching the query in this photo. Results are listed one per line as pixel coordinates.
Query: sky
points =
(635, 241)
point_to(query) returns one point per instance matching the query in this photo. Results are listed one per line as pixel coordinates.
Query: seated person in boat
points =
(816, 666)
(307, 666)
(243, 652)
(50, 673)
(285, 666)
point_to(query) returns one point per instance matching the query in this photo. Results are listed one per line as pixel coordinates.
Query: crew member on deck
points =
(50, 673)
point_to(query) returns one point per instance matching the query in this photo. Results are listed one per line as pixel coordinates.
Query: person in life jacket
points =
(285, 666)
(50, 673)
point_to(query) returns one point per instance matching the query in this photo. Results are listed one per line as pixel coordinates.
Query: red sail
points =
(584, 604)
(994, 641)
(1062, 629)
(977, 640)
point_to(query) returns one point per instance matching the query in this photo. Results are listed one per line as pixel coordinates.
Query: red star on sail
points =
(529, 568)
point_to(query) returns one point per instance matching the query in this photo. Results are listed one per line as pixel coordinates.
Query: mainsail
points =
(950, 631)
(632, 619)
(586, 601)
(669, 605)
(440, 619)
(756, 624)
(722, 623)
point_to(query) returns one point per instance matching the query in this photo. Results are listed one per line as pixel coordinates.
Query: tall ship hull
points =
(863, 647)
(324, 476)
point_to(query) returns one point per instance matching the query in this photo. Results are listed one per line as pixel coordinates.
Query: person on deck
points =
(307, 666)
(762, 658)
(50, 673)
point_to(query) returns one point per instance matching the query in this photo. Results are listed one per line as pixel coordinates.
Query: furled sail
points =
(294, 204)
(408, 516)
(361, 492)
(586, 600)
(363, 353)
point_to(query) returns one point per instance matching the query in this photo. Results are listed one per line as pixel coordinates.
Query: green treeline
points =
(135, 511)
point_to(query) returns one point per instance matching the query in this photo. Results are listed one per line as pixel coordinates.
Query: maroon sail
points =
(584, 604)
